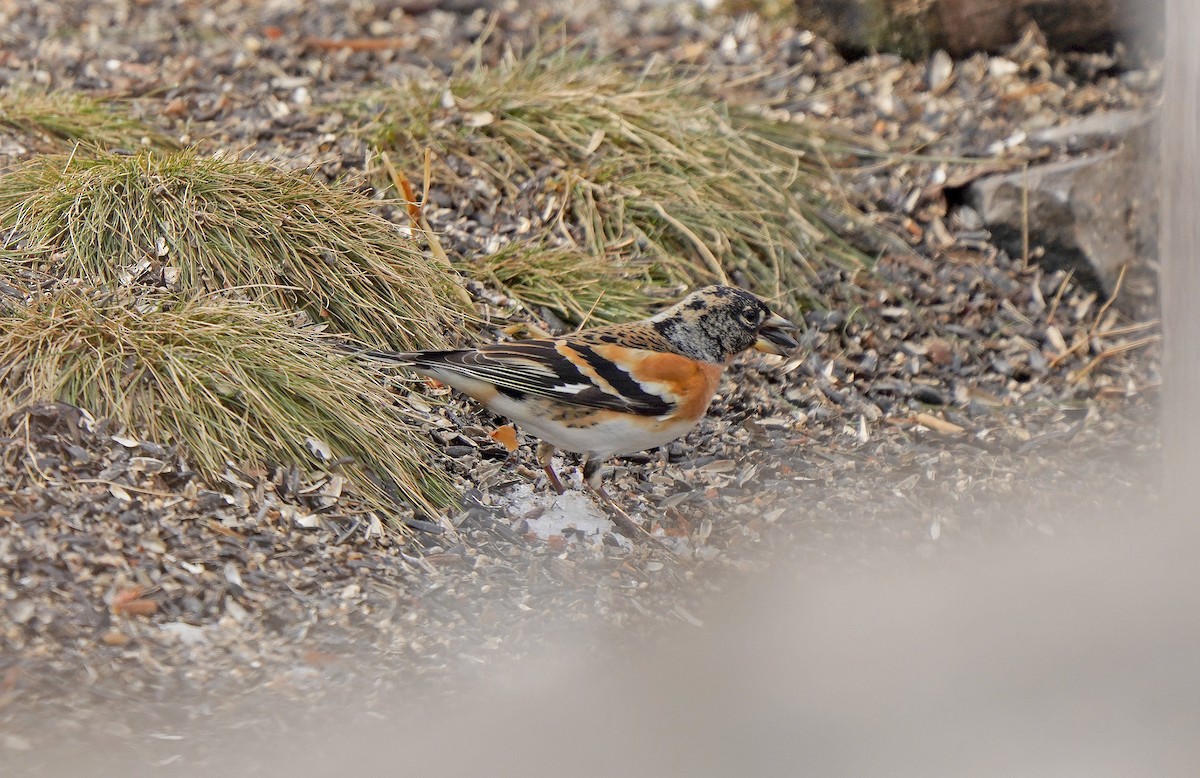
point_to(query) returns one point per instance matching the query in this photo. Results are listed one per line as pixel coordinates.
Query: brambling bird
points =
(614, 389)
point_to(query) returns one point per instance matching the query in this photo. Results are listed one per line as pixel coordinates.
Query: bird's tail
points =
(401, 358)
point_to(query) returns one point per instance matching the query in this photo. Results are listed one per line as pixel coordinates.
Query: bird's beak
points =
(772, 338)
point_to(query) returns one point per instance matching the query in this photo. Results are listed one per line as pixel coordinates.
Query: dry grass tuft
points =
(568, 281)
(634, 168)
(227, 380)
(202, 224)
(56, 121)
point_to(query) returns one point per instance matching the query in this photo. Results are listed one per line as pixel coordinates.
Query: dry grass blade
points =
(1110, 352)
(58, 120)
(636, 167)
(226, 380)
(205, 224)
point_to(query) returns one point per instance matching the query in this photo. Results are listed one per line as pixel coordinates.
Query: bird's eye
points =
(752, 317)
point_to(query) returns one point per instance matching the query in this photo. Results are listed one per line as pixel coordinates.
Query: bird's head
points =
(717, 322)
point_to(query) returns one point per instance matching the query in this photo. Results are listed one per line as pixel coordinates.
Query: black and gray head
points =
(715, 323)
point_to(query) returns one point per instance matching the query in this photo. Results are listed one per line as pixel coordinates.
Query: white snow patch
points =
(548, 514)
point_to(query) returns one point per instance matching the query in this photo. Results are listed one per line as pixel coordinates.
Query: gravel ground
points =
(155, 614)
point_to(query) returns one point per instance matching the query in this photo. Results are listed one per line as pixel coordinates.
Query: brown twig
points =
(1097, 322)
(1128, 329)
(1113, 351)
(1111, 299)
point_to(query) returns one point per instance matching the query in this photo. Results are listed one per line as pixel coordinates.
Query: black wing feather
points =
(536, 368)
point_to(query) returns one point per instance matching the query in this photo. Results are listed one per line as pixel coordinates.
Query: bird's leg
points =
(545, 458)
(622, 520)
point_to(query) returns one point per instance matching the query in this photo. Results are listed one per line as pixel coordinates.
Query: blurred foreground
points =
(1067, 656)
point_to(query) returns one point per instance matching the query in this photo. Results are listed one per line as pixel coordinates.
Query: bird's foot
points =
(623, 522)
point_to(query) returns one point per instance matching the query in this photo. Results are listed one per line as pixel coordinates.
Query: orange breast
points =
(691, 383)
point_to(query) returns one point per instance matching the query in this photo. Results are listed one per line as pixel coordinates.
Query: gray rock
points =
(1093, 215)
(1094, 130)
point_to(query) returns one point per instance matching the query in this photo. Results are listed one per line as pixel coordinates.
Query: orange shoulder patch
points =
(693, 383)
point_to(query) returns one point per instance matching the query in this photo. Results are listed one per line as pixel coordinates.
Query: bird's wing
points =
(565, 370)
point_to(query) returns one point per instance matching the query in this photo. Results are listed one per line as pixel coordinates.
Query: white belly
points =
(616, 435)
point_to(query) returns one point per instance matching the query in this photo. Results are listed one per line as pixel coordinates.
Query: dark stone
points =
(961, 27)
(1092, 215)
(929, 395)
